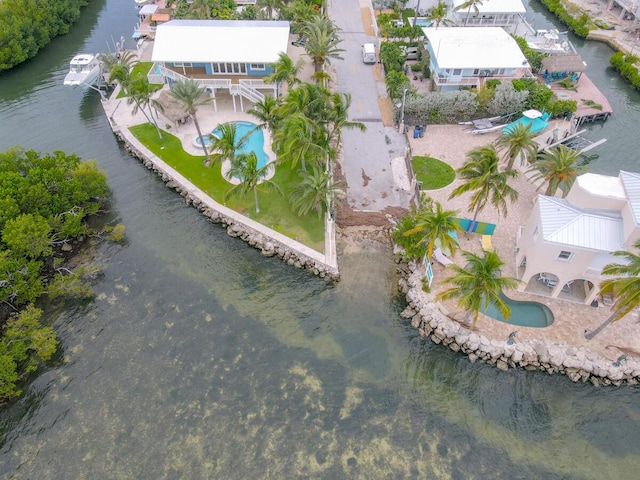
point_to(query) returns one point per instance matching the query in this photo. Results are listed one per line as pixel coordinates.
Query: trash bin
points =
(416, 131)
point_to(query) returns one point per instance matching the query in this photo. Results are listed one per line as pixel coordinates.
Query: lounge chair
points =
(486, 243)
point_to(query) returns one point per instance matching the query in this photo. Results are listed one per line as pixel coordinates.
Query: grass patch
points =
(275, 210)
(139, 71)
(432, 173)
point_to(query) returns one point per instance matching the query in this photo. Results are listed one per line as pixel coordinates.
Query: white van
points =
(369, 53)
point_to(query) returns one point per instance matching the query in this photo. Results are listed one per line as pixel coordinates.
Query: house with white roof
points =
(227, 55)
(507, 14)
(566, 242)
(465, 57)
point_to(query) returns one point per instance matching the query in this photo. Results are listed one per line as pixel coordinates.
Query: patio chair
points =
(486, 243)
(607, 299)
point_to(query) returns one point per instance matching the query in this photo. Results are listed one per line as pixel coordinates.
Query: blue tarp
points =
(537, 124)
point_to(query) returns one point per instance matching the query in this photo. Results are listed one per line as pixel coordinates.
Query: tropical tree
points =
(518, 142)
(140, 98)
(266, 112)
(470, 4)
(316, 192)
(482, 177)
(269, 7)
(191, 95)
(558, 166)
(479, 284)
(226, 143)
(285, 70)
(321, 41)
(625, 288)
(299, 139)
(438, 15)
(246, 169)
(431, 225)
(121, 71)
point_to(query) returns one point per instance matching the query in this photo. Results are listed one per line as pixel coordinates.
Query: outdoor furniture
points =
(486, 243)
(548, 281)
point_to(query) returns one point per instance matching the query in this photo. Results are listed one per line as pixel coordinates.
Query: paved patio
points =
(450, 144)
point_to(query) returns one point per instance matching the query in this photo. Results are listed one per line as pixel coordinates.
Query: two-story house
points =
(566, 242)
(507, 14)
(465, 57)
(223, 55)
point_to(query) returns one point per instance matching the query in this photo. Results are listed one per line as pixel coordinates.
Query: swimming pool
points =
(254, 143)
(421, 22)
(523, 314)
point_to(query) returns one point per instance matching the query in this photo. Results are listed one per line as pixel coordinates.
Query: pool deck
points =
(450, 144)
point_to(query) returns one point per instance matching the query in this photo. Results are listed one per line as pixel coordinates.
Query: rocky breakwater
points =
(577, 363)
(269, 242)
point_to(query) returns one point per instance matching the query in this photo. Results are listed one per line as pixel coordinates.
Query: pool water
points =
(422, 22)
(523, 314)
(254, 143)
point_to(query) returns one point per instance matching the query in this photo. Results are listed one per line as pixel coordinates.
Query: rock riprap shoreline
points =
(578, 363)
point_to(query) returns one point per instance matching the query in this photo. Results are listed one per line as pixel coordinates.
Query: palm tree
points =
(226, 143)
(559, 167)
(479, 284)
(438, 15)
(434, 225)
(140, 97)
(268, 7)
(201, 9)
(316, 191)
(469, 4)
(284, 70)
(338, 117)
(266, 111)
(191, 95)
(246, 169)
(321, 41)
(518, 142)
(122, 70)
(626, 287)
(483, 177)
(299, 139)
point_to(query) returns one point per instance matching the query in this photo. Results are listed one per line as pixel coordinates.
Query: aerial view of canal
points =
(199, 358)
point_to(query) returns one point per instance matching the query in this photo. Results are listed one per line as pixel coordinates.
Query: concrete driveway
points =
(373, 182)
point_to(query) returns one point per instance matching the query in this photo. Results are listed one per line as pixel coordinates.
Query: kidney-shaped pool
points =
(523, 313)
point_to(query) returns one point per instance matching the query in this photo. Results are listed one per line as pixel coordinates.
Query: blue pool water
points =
(255, 140)
(523, 314)
(422, 22)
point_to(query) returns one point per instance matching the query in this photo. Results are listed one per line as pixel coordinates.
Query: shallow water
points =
(199, 358)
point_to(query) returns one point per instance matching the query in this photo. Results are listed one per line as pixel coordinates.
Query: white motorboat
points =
(143, 2)
(84, 69)
(552, 42)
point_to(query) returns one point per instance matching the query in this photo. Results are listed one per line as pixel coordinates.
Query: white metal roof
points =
(215, 41)
(631, 182)
(474, 47)
(602, 185)
(492, 6)
(567, 225)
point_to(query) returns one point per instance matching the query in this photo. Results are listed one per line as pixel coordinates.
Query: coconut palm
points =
(625, 288)
(269, 7)
(438, 15)
(433, 224)
(338, 117)
(518, 142)
(226, 143)
(300, 139)
(266, 112)
(285, 70)
(558, 166)
(191, 95)
(122, 69)
(140, 98)
(316, 192)
(321, 41)
(483, 177)
(470, 4)
(246, 169)
(479, 284)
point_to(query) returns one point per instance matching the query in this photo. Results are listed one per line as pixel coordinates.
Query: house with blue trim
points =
(467, 57)
(223, 55)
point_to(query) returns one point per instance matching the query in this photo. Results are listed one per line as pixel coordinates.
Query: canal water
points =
(199, 358)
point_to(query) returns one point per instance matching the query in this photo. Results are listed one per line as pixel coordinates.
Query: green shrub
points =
(391, 56)
(560, 108)
(579, 26)
(534, 58)
(625, 66)
(416, 67)
(539, 94)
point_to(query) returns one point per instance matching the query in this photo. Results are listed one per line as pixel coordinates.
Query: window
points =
(457, 71)
(565, 256)
(257, 66)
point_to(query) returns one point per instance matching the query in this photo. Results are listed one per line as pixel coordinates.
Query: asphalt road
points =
(367, 156)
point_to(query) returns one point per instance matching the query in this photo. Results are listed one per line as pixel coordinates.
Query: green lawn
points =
(275, 211)
(432, 173)
(140, 70)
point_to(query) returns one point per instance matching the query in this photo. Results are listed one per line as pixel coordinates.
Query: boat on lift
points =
(551, 42)
(84, 69)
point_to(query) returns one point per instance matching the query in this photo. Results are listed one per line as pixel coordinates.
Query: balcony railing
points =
(444, 80)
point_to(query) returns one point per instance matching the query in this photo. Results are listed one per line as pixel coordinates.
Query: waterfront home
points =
(507, 14)
(565, 244)
(628, 9)
(226, 56)
(466, 57)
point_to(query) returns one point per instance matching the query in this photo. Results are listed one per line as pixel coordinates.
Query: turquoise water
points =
(423, 22)
(523, 314)
(254, 143)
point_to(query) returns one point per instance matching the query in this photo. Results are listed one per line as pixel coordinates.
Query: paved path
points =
(367, 156)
